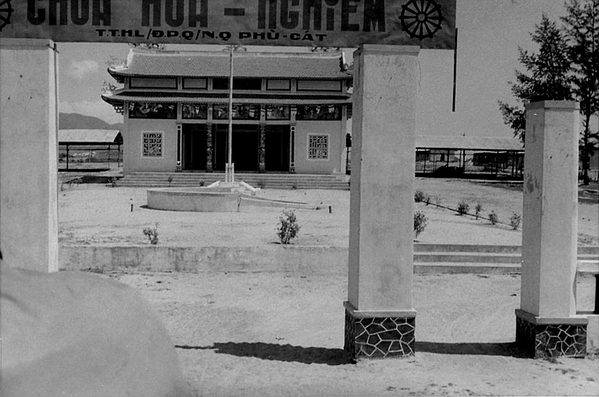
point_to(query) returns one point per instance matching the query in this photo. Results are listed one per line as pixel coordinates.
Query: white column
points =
(549, 230)
(28, 154)
(382, 200)
(546, 323)
(382, 180)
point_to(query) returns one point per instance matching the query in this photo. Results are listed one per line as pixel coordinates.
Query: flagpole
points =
(229, 176)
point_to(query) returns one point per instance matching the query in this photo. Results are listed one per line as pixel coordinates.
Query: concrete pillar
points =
(28, 154)
(547, 324)
(209, 148)
(380, 319)
(262, 148)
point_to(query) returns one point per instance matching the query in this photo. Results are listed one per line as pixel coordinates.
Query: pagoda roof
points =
(276, 65)
(119, 97)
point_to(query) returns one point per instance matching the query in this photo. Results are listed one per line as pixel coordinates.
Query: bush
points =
(478, 209)
(420, 222)
(288, 227)
(515, 221)
(493, 218)
(152, 234)
(419, 196)
(463, 207)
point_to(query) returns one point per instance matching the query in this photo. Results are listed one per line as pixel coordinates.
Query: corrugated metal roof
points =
(246, 65)
(468, 143)
(89, 136)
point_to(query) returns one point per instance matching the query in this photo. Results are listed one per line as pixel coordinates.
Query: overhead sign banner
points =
(321, 23)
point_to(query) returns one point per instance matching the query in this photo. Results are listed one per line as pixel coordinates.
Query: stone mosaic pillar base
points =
(549, 337)
(370, 336)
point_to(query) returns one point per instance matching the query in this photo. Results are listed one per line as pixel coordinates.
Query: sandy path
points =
(273, 334)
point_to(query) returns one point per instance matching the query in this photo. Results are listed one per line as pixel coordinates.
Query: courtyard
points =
(276, 333)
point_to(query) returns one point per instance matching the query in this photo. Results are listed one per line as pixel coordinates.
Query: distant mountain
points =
(76, 121)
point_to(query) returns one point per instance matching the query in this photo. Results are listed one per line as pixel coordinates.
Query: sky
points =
(489, 33)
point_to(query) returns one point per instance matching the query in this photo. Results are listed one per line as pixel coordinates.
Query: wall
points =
(133, 146)
(336, 140)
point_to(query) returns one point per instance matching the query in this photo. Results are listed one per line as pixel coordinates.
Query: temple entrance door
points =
(277, 148)
(246, 141)
(194, 147)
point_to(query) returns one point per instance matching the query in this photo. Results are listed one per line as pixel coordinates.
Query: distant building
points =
(89, 146)
(459, 156)
(289, 111)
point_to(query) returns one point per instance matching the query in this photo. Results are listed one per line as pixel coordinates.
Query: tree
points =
(546, 77)
(581, 28)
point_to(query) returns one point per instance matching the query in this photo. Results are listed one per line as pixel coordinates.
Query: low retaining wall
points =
(428, 258)
(274, 258)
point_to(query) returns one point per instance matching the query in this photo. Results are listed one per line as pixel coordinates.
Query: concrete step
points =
(480, 257)
(272, 181)
(584, 252)
(467, 257)
(471, 268)
(466, 248)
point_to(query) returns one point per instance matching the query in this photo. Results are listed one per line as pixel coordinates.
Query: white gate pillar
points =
(28, 154)
(546, 323)
(380, 319)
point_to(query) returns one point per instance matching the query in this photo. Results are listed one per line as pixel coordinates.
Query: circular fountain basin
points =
(205, 199)
(192, 199)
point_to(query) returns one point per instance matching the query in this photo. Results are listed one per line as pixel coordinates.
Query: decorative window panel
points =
(319, 112)
(319, 85)
(278, 85)
(318, 146)
(240, 112)
(152, 110)
(191, 83)
(152, 144)
(277, 112)
(194, 111)
(145, 82)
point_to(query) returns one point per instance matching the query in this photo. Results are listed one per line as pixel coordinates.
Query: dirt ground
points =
(276, 334)
(281, 334)
(100, 215)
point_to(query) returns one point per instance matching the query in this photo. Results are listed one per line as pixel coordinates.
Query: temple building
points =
(289, 111)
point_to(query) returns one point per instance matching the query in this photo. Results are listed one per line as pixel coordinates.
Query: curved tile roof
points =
(246, 64)
(118, 99)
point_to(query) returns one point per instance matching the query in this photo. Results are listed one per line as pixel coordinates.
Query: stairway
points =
(491, 258)
(264, 181)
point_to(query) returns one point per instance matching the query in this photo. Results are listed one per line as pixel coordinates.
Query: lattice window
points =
(152, 144)
(318, 147)
(277, 112)
(240, 112)
(318, 112)
(152, 110)
(194, 111)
